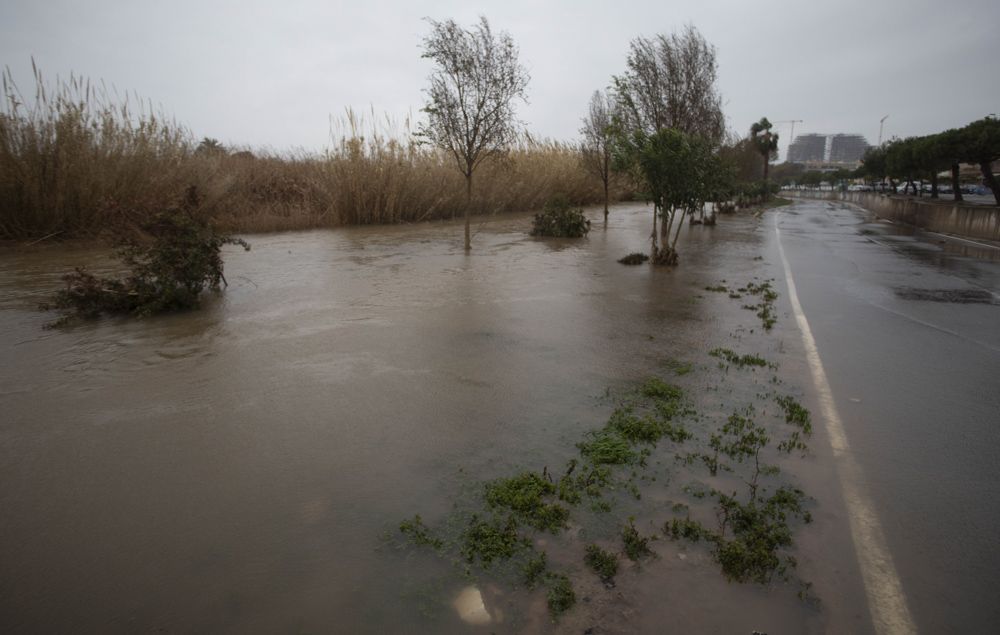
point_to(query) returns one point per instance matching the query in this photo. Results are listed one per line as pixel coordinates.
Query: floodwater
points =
(237, 469)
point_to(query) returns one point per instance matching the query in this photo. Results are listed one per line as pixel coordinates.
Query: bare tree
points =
(470, 101)
(598, 139)
(670, 83)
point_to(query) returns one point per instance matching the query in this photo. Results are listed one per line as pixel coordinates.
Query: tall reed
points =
(78, 159)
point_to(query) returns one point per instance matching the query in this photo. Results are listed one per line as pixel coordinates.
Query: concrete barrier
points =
(970, 221)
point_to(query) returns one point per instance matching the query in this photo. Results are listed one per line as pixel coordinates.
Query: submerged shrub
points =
(635, 258)
(636, 545)
(603, 563)
(559, 219)
(560, 597)
(178, 258)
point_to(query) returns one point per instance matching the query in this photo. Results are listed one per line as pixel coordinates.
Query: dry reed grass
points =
(79, 160)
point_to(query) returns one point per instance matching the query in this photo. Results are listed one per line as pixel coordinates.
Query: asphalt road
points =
(907, 327)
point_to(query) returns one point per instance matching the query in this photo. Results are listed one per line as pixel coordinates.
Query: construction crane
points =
(791, 133)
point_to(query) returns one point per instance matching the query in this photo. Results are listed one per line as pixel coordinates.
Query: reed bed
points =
(80, 160)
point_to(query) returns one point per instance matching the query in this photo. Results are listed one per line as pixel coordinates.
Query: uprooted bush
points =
(559, 219)
(173, 259)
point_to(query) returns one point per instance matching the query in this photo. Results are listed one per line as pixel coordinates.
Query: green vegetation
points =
(691, 530)
(560, 220)
(795, 413)
(418, 533)
(905, 160)
(766, 143)
(765, 309)
(603, 563)
(534, 570)
(491, 540)
(636, 545)
(524, 496)
(607, 447)
(635, 258)
(177, 259)
(758, 531)
(755, 528)
(560, 597)
(740, 361)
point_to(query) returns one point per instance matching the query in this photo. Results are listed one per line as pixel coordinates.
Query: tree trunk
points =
(468, 204)
(767, 190)
(653, 255)
(956, 185)
(673, 245)
(665, 229)
(605, 197)
(989, 180)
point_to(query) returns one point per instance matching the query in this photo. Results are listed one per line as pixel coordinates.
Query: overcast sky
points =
(271, 74)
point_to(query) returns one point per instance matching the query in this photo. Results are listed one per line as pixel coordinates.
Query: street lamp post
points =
(881, 122)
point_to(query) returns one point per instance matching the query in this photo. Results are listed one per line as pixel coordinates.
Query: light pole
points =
(881, 122)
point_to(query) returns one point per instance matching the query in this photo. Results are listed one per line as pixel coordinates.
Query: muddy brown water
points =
(237, 469)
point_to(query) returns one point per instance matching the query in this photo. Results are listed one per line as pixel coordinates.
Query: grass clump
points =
(177, 259)
(655, 388)
(795, 414)
(559, 219)
(560, 596)
(636, 545)
(635, 258)
(418, 533)
(759, 529)
(688, 529)
(524, 495)
(534, 570)
(603, 563)
(740, 361)
(490, 540)
(634, 428)
(765, 308)
(607, 447)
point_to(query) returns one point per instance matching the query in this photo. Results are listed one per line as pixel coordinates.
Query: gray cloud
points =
(271, 74)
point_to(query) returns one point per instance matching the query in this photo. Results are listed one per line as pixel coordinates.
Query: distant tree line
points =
(913, 158)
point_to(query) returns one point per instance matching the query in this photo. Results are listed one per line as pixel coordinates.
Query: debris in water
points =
(470, 606)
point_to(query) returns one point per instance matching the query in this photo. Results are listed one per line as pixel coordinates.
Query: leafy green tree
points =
(901, 162)
(873, 164)
(949, 149)
(981, 146)
(678, 172)
(766, 144)
(470, 102)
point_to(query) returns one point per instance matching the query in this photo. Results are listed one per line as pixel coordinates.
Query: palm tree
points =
(766, 142)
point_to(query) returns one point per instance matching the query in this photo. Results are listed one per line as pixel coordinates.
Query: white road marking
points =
(886, 600)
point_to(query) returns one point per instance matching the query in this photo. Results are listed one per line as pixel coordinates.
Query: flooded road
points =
(237, 469)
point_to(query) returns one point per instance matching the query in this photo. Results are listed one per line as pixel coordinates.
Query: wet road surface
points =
(908, 328)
